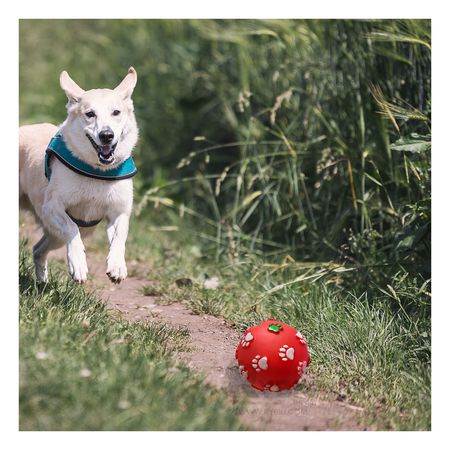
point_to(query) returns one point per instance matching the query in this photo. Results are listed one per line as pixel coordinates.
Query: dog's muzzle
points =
(105, 152)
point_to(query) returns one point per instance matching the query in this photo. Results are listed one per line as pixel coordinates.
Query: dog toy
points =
(272, 356)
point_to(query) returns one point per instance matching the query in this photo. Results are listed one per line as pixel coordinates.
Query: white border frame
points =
(228, 9)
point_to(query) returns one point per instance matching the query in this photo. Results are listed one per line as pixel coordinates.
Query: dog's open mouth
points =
(105, 152)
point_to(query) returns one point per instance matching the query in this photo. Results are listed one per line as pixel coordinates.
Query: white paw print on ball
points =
(273, 388)
(286, 353)
(301, 338)
(259, 363)
(245, 342)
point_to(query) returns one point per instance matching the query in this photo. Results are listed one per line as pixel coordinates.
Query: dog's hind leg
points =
(40, 252)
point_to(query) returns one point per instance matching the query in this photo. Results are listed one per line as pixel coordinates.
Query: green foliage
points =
(413, 144)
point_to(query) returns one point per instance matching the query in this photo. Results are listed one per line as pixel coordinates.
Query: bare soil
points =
(211, 351)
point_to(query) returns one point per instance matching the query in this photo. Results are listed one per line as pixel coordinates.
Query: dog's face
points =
(100, 127)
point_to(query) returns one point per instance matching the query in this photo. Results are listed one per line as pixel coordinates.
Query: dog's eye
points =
(90, 114)
(116, 112)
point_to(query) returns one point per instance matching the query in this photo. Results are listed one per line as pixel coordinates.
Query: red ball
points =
(272, 356)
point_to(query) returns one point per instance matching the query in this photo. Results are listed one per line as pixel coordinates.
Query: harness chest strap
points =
(58, 148)
(84, 223)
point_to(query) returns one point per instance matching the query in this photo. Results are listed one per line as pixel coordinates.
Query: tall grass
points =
(327, 147)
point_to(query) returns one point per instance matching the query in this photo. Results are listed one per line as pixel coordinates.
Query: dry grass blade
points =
(385, 106)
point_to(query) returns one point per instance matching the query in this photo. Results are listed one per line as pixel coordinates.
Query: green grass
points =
(82, 369)
(373, 350)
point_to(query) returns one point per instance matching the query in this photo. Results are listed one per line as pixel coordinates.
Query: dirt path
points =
(212, 347)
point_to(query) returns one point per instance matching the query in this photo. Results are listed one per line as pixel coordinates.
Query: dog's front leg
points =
(117, 231)
(57, 222)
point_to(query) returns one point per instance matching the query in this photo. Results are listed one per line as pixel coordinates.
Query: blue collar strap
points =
(58, 148)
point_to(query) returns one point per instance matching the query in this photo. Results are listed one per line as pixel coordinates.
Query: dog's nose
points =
(106, 136)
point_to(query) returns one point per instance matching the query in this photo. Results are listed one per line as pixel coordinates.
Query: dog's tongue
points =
(106, 150)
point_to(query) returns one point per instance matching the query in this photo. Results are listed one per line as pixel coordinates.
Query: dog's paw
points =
(76, 260)
(41, 270)
(116, 270)
(41, 274)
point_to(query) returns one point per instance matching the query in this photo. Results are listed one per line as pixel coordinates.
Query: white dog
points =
(73, 177)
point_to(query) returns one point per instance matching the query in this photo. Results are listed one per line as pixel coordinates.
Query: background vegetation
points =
(308, 138)
(297, 155)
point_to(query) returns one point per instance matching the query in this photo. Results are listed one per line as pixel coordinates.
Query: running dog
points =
(75, 175)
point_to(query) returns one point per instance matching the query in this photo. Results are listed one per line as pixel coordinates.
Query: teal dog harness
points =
(57, 148)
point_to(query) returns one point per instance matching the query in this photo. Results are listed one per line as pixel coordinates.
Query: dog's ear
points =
(72, 90)
(127, 85)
